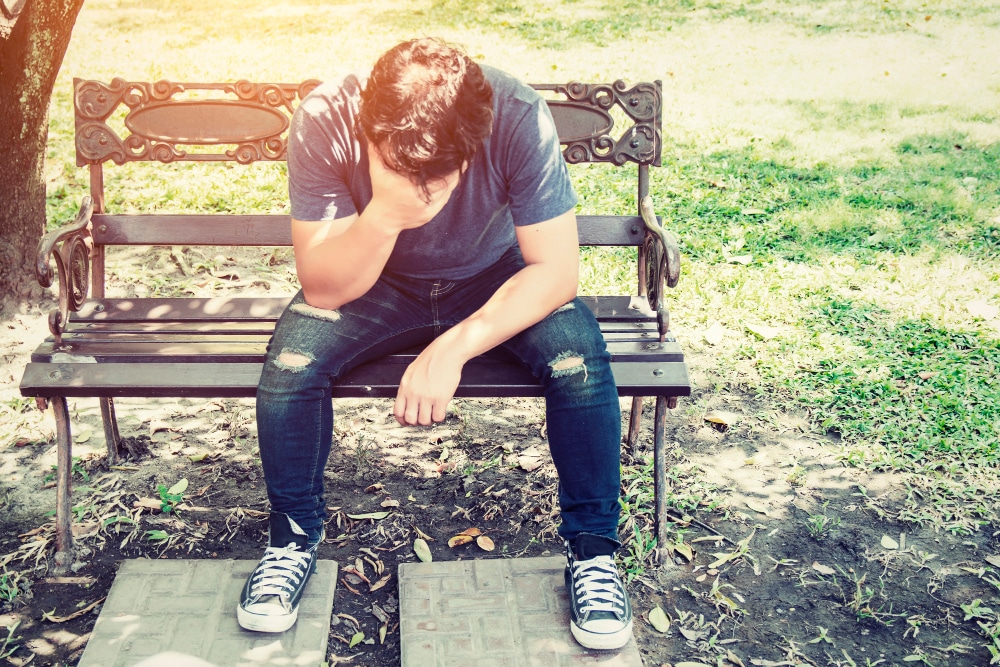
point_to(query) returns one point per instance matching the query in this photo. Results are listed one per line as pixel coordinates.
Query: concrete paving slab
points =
(493, 613)
(182, 613)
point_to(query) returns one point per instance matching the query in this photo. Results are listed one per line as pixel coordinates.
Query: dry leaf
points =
(735, 659)
(714, 334)
(389, 502)
(700, 578)
(659, 619)
(529, 461)
(471, 532)
(380, 583)
(889, 543)
(377, 516)
(691, 635)
(485, 543)
(147, 503)
(378, 613)
(684, 550)
(83, 435)
(758, 507)
(459, 540)
(722, 417)
(993, 560)
(159, 425)
(926, 375)
(422, 550)
(422, 535)
(823, 569)
(763, 331)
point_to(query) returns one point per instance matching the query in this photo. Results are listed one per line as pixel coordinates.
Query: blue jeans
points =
(311, 348)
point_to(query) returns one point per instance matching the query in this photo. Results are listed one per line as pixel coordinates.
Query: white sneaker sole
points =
(602, 642)
(262, 623)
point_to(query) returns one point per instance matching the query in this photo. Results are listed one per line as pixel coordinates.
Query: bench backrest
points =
(246, 122)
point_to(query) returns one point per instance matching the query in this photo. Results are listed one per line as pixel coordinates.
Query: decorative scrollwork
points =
(70, 248)
(98, 141)
(640, 143)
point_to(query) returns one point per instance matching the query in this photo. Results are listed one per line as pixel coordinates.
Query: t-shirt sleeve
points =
(320, 159)
(539, 184)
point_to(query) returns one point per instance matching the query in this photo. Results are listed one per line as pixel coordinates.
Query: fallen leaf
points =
(377, 516)
(83, 435)
(758, 507)
(690, 664)
(49, 616)
(823, 569)
(471, 532)
(741, 259)
(422, 550)
(529, 462)
(422, 535)
(753, 211)
(389, 502)
(763, 331)
(459, 540)
(380, 583)
(722, 417)
(993, 560)
(356, 639)
(178, 488)
(714, 334)
(372, 488)
(381, 633)
(691, 635)
(701, 578)
(659, 619)
(147, 503)
(157, 425)
(197, 458)
(378, 613)
(735, 659)
(485, 543)
(926, 375)
(889, 543)
(684, 550)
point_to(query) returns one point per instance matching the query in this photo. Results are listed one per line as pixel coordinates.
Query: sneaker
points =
(600, 613)
(270, 598)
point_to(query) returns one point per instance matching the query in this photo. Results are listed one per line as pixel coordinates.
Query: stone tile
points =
(497, 612)
(182, 613)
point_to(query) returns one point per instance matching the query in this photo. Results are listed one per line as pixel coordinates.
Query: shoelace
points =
(597, 587)
(279, 571)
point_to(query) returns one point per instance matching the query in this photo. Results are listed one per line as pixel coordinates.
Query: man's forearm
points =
(526, 298)
(342, 268)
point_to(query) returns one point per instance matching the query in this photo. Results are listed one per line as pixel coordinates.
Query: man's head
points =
(427, 108)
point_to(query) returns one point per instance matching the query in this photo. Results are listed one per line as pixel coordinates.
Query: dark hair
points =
(427, 107)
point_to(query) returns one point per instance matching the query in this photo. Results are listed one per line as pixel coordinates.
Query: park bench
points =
(106, 348)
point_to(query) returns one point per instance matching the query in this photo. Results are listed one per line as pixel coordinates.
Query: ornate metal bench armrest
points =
(663, 263)
(70, 248)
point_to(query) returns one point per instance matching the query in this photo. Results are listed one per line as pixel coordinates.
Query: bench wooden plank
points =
(253, 350)
(269, 308)
(164, 380)
(275, 230)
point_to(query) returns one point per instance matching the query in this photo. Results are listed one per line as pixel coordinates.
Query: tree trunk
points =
(32, 46)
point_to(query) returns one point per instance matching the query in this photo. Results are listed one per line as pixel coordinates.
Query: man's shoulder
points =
(339, 93)
(509, 89)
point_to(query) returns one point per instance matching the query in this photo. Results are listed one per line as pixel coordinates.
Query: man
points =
(431, 205)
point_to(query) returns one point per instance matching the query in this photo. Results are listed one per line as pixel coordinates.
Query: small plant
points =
(76, 469)
(157, 536)
(820, 525)
(170, 498)
(10, 585)
(6, 649)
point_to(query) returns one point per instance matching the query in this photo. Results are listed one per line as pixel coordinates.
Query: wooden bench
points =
(214, 347)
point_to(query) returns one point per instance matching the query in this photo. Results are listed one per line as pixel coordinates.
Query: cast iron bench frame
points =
(214, 347)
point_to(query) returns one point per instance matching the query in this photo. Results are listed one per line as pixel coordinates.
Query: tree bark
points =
(32, 47)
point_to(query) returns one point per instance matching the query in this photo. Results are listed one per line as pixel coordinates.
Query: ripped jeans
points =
(311, 348)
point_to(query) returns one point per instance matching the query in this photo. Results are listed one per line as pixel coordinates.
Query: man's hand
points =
(399, 202)
(427, 387)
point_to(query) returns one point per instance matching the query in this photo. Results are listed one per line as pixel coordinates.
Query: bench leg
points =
(111, 435)
(660, 479)
(64, 487)
(634, 424)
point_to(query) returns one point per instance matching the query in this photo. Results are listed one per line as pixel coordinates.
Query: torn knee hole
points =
(568, 364)
(292, 361)
(317, 313)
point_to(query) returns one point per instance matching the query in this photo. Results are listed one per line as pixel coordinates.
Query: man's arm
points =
(339, 260)
(552, 255)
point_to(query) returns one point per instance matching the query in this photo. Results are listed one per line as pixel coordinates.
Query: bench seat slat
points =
(253, 351)
(275, 230)
(166, 380)
(255, 309)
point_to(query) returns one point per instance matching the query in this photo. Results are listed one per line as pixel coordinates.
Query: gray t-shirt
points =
(518, 177)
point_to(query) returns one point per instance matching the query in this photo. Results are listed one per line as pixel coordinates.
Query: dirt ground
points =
(814, 567)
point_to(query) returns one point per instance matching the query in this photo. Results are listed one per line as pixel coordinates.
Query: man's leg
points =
(310, 349)
(567, 352)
